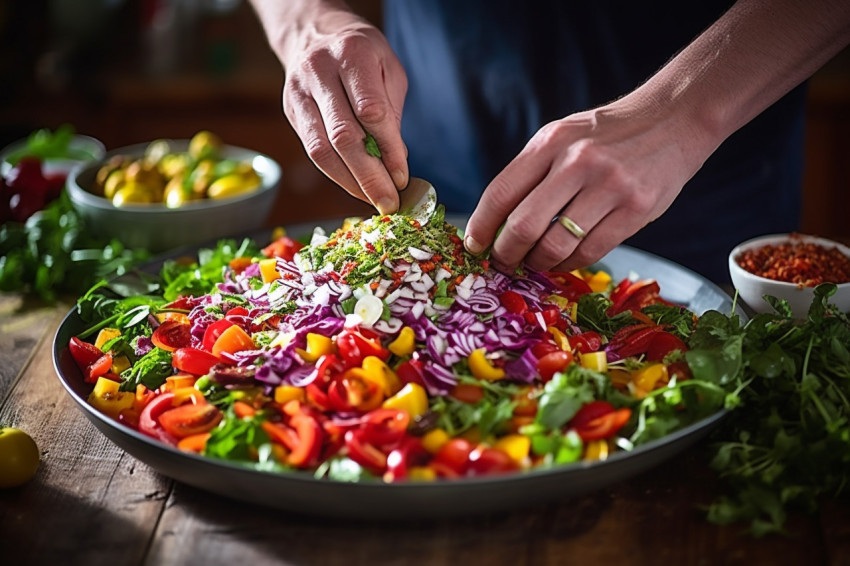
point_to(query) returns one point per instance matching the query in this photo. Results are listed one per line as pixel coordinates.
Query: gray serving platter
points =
(300, 492)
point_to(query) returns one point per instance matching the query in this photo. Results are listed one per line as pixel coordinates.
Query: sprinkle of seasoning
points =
(804, 263)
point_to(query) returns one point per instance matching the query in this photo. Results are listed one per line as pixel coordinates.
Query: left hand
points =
(611, 170)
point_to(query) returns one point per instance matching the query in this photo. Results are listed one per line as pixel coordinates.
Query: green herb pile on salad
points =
(385, 352)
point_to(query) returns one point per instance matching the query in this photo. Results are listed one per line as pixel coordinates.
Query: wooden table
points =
(90, 503)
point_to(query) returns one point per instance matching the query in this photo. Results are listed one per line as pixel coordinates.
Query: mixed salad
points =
(385, 351)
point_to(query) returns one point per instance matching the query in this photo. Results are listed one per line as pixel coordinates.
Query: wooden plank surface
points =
(90, 503)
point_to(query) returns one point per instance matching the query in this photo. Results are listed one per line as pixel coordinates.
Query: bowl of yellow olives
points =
(172, 193)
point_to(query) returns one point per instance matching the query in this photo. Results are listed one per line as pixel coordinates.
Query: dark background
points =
(129, 71)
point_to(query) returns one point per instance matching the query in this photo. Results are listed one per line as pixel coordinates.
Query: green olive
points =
(173, 165)
(133, 192)
(146, 174)
(156, 150)
(175, 194)
(113, 182)
(204, 145)
(114, 163)
(232, 185)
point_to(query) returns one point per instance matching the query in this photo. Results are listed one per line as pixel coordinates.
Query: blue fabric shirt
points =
(485, 75)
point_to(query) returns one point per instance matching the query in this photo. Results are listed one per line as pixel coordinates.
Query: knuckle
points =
(521, 228)
(344, 135)
(318, 149)
(372, 110)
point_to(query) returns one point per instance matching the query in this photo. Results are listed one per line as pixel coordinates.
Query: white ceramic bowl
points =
(87, 144)
(159, 228)
(752, 288)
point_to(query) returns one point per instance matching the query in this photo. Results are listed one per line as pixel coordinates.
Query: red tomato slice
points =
(194, 361)
(171, 335)
(98, 368)
(467, 393)
(355, 346)
(484, 461)
(454, 455)
(190, 419)
(213, 331)
(284, 247)
(411, 371)
(364, 453)
(591, 411)
(408, 454)
(569, 286)
(586, 342)
(513, 302)
(542, 348)
(385, 426)
(605, 426)
(149, 418)
(552, 363)
(83, 353)
(662, 344)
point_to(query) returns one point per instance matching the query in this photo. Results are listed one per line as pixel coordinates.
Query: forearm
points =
(285, 21)
(758, 51)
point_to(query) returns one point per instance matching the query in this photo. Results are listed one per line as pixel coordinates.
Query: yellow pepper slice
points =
(596, 450)
(268, 270)
(594, 360)
(376, 370)
(421, 473)
(105, 335)
(434, 439)
(120, 363)
(317, 346)
(106, 398)
(517, 446)
(285, 393)
(599, 281)
(560, 338)
(412, 399)
(647, 378)
(404, 343)
(481, 367)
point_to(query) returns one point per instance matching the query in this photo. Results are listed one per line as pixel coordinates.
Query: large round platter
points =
(300, 492)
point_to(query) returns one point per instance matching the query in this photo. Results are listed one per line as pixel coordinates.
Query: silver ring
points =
(572, 227)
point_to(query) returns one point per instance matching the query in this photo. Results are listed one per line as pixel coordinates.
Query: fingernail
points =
(399, 178)
(386, 206)
(472, 245)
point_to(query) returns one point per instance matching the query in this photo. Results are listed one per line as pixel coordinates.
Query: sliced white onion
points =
(370, 308)
(419, 254)
(442, 273)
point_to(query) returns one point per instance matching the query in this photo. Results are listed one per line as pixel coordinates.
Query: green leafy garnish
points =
(372, 146)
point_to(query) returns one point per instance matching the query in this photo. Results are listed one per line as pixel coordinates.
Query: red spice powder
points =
(804, 263)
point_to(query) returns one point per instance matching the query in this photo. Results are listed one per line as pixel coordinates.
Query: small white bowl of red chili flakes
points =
(790, 266)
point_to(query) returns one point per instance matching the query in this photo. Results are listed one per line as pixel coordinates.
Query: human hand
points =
(611, 171)
(342, 81)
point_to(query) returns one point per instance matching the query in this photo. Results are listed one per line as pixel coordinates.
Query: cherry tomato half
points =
(194, 361)
(385, 426)
(190, 419)
(552, 363)
(485, 461)
(171, 335)
(364, 453)
(454, 455)
(83, 352)
(149, 418)
(513, 302)
(586, 342)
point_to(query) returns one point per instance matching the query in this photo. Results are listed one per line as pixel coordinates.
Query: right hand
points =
(342, 80)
